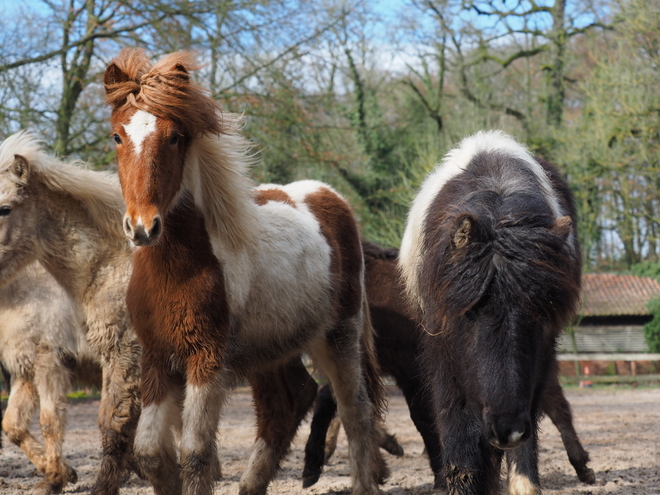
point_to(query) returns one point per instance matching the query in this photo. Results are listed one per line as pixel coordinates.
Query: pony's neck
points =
(216, 175)
(73, 248)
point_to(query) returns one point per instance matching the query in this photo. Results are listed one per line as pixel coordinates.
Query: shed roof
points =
(607, 294)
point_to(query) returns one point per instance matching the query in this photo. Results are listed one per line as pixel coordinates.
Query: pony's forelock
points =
(455, 162)
(166, 90)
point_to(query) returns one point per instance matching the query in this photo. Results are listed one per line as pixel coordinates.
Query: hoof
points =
(439, 483)
(310, 479)
(101, 489)
(45, 487)
(392, 446)
(587, 476)
(71, 475)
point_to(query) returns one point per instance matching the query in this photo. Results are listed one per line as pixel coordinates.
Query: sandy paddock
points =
(619, 427)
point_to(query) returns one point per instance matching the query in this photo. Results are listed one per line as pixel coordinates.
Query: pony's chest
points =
(177, 294)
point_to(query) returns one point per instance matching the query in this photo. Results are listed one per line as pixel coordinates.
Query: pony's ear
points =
(20, 168)
(182, 72)
(113, 75)
(465, 227)
(562, 226)
(116, 89)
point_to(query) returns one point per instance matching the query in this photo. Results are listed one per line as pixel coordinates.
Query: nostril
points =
(507, 432)
(128, 230)
(156, 227)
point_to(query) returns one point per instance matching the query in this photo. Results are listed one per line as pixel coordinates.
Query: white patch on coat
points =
(293, 254)
(278, 279)
(454, 163)
(140, 126)
(201, 411)
(154, 434)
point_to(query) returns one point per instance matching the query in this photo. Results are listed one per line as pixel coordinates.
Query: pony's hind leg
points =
(52, 381)
(339, 359)
(325, 410)
(282, 396)
(331, 438)
(387, 441)
(555, 405)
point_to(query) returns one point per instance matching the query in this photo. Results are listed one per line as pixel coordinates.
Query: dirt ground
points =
(619, 427)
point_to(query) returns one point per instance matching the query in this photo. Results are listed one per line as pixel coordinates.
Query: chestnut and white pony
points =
(231, 280)
(68, 219)
(43, 349)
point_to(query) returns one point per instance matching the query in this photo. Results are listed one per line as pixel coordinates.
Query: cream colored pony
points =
(69, 219)
(43, 349)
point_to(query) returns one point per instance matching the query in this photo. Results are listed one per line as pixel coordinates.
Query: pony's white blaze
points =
(140, 126)
(454, 163)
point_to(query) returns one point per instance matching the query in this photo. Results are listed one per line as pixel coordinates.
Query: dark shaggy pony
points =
(491, 262)
(398, 339)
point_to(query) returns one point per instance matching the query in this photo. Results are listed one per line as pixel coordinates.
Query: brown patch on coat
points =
(339, 228)
(263, 196)
(178, 305)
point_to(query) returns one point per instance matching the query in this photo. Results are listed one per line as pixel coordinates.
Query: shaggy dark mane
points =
(514, 253)
(164, 90)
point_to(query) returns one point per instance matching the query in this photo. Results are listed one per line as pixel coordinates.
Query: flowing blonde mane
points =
(98, 191)
(217, 173)
(218, 159)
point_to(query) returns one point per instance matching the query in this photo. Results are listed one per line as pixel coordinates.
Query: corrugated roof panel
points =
(607, 294)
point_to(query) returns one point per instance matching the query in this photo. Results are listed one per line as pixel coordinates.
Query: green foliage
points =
(646, 269)
(652, 328)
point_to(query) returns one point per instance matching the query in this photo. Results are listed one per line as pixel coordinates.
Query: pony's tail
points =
(376, 393)
(375, 387)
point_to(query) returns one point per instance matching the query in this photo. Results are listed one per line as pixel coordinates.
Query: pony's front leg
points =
(118, 413)
(282, 396)
(52, 381)
(154, 447)
(523, 469)
(199, 452)
(20, 407)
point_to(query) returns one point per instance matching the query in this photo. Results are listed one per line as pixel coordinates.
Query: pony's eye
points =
(5, 210)
(174, 139)
(116, 138)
